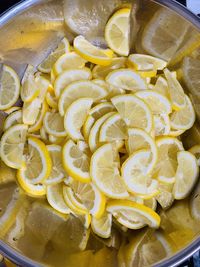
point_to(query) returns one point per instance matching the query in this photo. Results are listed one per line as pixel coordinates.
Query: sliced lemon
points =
(75, 117)
(105, 174)
(56, 140)
(126, 79)
(159, 35)
(166, 166)
(100, 72)
(29, 89)
(102, 226)
(76, 162)
(158, 103)
(93, 139)
(51, 100)
(165, 197)
(129, 212)
(57, 172)
(44, 135)
(54, 124)
(88, 195)
(136, 174)
(10, 87)
(30, 111)
(113, 129)
(176, 91)
(161, 124)
(176, 133)
(117, 32)
(11, 110)
(94, 114)
(48, 62)
(39, 121)
(68, 61)
(12, 146)
(161, 86)
(142, 62)
(195, 203)
(134, 111)
(183, 119)
(195, 150)
(69, 76)
(38, 162)
(77, 90)
(186, 174)
(55, 198)
(12, 119)
(92, 53)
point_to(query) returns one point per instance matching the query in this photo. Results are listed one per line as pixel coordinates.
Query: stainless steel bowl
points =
(30, 30)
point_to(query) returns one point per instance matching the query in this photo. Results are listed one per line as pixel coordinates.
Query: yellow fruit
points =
(161, 124)
(51, 100)
(102, 226)
(54, 124)
(12, 119)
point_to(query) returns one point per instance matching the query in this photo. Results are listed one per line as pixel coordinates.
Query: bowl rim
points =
(183, 254)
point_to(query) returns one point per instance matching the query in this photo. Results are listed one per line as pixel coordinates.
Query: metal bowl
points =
(30, 30)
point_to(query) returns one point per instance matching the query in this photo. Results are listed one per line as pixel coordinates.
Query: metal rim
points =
(180, 256)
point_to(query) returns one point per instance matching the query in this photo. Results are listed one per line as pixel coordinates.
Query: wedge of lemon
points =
(69, 76)
(75, 117)
(183, 119)
(105, 174)
(57, 172)
(54, 124)
(161, 86)
(68, 61)
(47, 63)
(55, 198)
(10, 88)
(76, 162)
(133, 212)
(117, 32)
(12, 119)
(102, 226)
(38, 162)
(136, 172)
(92, 53)
(134, 111)
(195, 150)
(30, 111)
(12, 146)
(186, 174)
(126, 79)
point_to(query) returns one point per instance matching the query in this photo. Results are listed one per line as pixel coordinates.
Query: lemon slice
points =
(12, 146)
(183, 119)
(176, 92)
(76, 162)
(48, 62)
(56, 140)
(38, 162)
(126, 79)
(166, 166)
(159, 40)
(100, 72)
(44, 135)
(54, 124)
(39, 120)
(12, 119)
(68, 61)
(161, 86)
(10, 87)
(165, 197)
(92, 53)
(176, 133)
(186, 174)
(158, 103)
(56, 199)
(75, 117)
(30, 111)
(136, 174)
(134, 111)
(161, 124)
(94, 114)
(113, 129)
(142, 62)
(102, 226)
(195, 150)
(69, 76)
(93, 139)
(105, 174)
(29, 89)
(195, 203)
(129, 212)
(78, 90)
(51, 100)
(11, 110)
(57, 172)
(117, 32)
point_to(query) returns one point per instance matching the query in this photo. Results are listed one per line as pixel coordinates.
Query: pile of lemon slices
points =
(99, 132)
